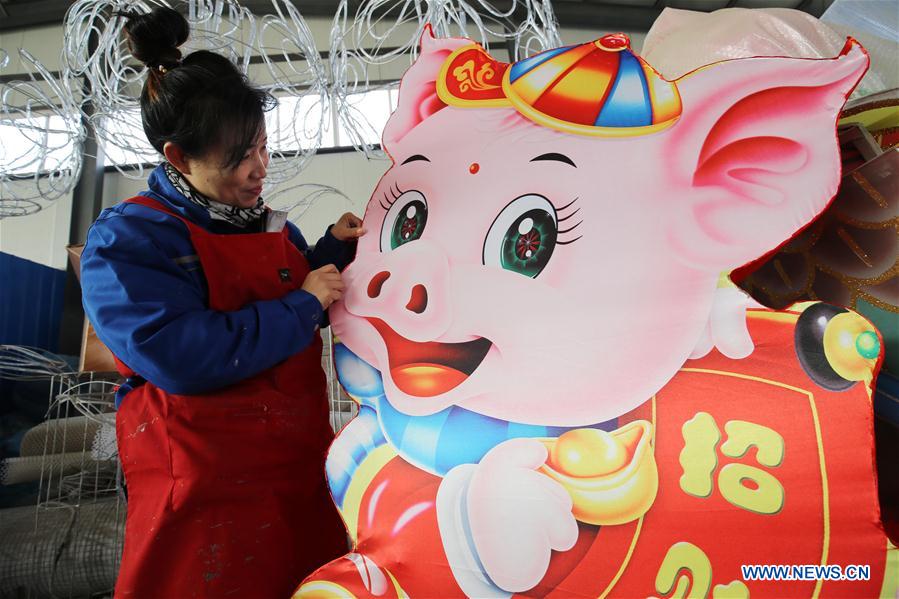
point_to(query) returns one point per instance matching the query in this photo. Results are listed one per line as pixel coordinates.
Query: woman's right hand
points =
(326, 284)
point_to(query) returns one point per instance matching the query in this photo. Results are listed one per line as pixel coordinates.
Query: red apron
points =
(226, 490)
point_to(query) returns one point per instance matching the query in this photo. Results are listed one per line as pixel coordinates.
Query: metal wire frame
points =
(97, 91)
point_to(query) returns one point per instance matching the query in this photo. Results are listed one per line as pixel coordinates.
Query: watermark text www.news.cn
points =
(805, 572)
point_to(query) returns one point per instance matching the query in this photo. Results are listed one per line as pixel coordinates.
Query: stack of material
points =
(62, 440)
(70, 543)
(61, 550)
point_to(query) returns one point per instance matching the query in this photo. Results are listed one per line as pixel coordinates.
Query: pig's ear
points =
(418, 89)
(756, 149)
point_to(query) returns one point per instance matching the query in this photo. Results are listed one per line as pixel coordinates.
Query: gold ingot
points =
(587, 452)
(618, 495)
(840, 336)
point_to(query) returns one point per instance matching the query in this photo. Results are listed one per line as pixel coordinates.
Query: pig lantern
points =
(556, 395)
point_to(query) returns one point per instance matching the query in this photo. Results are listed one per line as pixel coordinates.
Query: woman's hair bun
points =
(154, 37)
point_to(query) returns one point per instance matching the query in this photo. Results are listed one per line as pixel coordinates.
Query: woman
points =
(209, 303)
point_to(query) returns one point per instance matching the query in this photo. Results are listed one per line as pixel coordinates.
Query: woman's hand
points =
(326, 284)
(348, 227)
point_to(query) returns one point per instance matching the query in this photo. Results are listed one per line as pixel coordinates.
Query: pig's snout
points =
(407, 288)
(418, 301)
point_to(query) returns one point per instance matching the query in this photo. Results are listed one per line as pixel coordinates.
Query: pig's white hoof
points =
(728, 323)
(517, 515)
(726, 328)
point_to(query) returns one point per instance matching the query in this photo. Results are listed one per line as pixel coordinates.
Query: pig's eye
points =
(523, 236)
(405, 220)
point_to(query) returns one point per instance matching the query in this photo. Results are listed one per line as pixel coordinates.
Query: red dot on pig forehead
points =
(474, 167)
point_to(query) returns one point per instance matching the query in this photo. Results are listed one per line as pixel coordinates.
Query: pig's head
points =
(545, 272)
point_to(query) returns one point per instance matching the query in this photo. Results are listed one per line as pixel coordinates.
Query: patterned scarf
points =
(237, 216)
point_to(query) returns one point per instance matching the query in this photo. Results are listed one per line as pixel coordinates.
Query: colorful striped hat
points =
(600, 88)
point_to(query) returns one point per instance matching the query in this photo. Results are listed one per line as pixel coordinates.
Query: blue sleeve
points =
(153, 315)
(328, 250)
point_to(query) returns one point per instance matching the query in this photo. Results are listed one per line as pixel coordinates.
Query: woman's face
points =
(236, 186)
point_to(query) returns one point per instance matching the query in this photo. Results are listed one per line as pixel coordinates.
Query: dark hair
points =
(198, 103)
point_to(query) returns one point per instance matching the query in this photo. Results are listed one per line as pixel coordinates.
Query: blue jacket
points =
(145, 293)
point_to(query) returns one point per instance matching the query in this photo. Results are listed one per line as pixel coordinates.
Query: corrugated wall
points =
(31, 297)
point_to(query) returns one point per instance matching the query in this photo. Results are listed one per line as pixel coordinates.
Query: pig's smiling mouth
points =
(430, 368)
